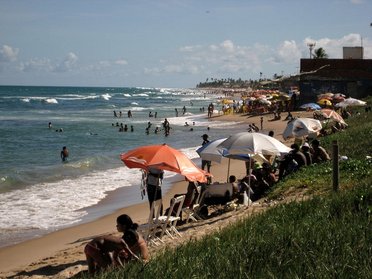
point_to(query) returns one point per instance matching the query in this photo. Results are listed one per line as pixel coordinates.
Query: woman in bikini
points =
(106, 251)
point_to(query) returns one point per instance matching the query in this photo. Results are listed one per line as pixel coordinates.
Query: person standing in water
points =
(64, 154)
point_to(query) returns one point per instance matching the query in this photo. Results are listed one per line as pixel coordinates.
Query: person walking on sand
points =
(64, 154)
(206, 163)
(262, 119)
(112, 251)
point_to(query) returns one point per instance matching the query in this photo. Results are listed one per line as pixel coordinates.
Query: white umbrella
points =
(211, 152)
(351, 102)
(301, 127)
(253, 143)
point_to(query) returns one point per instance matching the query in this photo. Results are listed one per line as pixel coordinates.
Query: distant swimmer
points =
(186, 124)
(64, 154)
(50, 125)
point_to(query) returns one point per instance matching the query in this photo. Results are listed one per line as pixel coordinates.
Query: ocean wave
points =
(142, 95)
(50, 101)
(26, 100)
(78, 97)
(106, 97)
(127, 95)
(59, 203)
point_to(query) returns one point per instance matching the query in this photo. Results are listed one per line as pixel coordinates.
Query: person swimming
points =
(64, 154)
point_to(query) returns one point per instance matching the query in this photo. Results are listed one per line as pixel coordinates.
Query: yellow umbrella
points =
(324, 102)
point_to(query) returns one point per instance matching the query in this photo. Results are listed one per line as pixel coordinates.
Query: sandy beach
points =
(60, 254)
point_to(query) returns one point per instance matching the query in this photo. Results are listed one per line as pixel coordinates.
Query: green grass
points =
(327, 236)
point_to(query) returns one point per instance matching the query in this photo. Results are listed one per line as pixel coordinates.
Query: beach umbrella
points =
(163, 157)
(301, 127)
(252, 143)
(211, 152)
(312, 106)
(324, 102)
(331, 114)
(351, 102)
(328, 96)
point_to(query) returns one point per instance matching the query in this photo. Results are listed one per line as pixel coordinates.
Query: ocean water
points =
(40, 194)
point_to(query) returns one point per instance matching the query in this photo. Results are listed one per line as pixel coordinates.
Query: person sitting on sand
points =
(106, 251)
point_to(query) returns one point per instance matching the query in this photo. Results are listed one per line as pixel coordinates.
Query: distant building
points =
(351, 76)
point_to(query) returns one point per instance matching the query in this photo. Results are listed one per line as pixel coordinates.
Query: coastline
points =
(64, 248)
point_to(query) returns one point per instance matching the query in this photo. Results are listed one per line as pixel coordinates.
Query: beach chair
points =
(151, 229)
(169, 222)
(191, 211)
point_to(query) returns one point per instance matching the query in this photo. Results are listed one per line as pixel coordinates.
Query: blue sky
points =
(170, 43)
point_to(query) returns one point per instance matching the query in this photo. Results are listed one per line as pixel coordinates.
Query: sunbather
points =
(109, 250)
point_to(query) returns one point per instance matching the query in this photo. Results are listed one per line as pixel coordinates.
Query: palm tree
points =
(320, 53)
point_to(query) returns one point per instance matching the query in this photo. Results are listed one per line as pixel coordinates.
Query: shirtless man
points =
(64, 154)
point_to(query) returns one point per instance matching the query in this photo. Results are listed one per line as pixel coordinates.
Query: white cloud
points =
(228, 45)
(356, 2)
(224, 58)
(36, 65)
(121, 62)
(288, 52)
(333, 47)
(67, 64)
(8, 54)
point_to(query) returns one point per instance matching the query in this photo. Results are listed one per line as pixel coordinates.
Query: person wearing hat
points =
(206, 163)
(305, 148)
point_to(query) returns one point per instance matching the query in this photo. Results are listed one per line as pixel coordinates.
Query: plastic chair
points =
(169, 222)
(191, 211)
(151, 228)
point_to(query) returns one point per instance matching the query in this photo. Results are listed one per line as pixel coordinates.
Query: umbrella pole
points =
(249, 180)
(228, 171)
(249, 173)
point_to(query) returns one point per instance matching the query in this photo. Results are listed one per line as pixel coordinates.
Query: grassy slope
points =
(327, 236)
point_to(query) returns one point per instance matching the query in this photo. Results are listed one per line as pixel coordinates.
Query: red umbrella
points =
(163, 157)
(331, 114)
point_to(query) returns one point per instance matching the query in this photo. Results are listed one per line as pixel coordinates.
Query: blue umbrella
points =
(313, 106)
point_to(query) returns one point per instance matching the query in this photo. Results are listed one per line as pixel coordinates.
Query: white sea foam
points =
(142, 95)
(50, 101)
(106, 97)
(78, 97)
(134, 103)
(127, 95)
(26, 100)
(57, 204)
